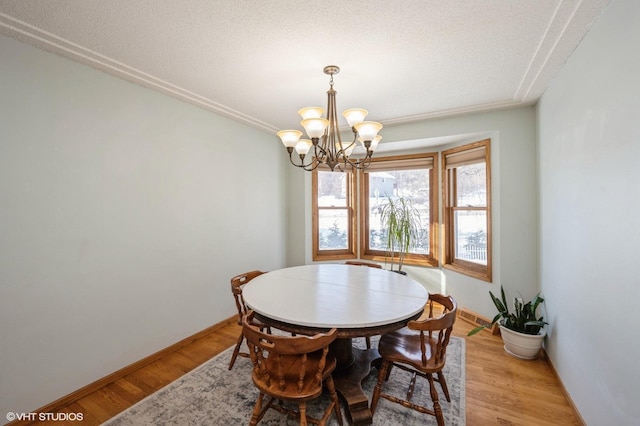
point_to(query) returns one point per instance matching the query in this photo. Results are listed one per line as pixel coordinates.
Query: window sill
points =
(422, 262)
(481, 273)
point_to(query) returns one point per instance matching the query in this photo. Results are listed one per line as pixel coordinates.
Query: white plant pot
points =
(525, 346)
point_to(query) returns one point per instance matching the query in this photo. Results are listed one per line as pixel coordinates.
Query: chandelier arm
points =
(343, 149)
(353, 142)
(360, 164)
(312, 165)
(320, 153)
(364, 163)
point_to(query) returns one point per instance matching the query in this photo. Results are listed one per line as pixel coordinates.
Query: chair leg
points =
(334, 397)
(412, 386)
(443, 385)
(257, 409)
(382, 375)
(236, 350)
(303, 413)
(386, 379)
(436, 404)
(368, 340)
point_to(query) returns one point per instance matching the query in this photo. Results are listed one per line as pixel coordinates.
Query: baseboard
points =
(100, 383)
(471, 317)
(564, 390)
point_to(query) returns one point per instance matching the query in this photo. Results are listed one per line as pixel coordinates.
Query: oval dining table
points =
(358, 301)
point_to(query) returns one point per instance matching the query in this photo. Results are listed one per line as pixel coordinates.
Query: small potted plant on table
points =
(522, 332)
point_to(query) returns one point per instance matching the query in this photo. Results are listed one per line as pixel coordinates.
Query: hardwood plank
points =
(500, 389)
(104, 403)
(127, 392)
(504, 390)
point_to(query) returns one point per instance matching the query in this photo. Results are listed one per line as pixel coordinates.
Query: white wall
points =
(514, 211)
(589, 170)
(123, 214)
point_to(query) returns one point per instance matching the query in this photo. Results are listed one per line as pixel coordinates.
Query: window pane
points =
(471, 236)
(333, 229)
(332, 189)
(472, 185)
(409, 184)
(333, 215)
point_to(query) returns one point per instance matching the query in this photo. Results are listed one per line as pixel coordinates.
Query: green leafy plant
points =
(522, 319)
(402, 221)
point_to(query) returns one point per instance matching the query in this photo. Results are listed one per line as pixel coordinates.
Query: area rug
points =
(213, 395)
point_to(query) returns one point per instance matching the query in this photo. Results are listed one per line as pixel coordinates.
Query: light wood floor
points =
(500, 390)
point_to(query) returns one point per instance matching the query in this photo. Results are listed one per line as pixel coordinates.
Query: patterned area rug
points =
(213, 395)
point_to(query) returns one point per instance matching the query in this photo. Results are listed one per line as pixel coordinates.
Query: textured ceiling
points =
(259, 61)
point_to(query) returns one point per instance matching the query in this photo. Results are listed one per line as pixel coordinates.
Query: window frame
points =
(449, 197)
(414, 259)
(350, 251)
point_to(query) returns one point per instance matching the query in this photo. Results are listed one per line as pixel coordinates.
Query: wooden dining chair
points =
(370, 265)
(290, 368)
(237, 283)
(420, 349)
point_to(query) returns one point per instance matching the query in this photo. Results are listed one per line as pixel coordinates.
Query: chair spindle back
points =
(236, 289)
(275, 356)
(436, 331)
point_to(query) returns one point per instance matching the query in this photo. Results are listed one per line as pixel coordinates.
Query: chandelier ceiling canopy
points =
(324, 135)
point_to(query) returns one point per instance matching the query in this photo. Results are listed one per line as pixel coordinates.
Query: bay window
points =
(467, 209)
(411, 178)
(457, 237)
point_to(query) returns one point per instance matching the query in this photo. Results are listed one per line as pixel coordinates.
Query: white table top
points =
(335, 295)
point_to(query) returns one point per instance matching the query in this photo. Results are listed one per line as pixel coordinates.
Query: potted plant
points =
(402, 222)
(521, 331)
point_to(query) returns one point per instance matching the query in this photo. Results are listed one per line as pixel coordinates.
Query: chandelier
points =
(324, 135)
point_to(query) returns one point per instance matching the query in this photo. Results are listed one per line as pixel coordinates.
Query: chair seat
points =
(291, 375)
(404, 346)
(420, 349)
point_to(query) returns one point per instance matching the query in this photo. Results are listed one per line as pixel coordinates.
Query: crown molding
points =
(36, 37)
(471, 109)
